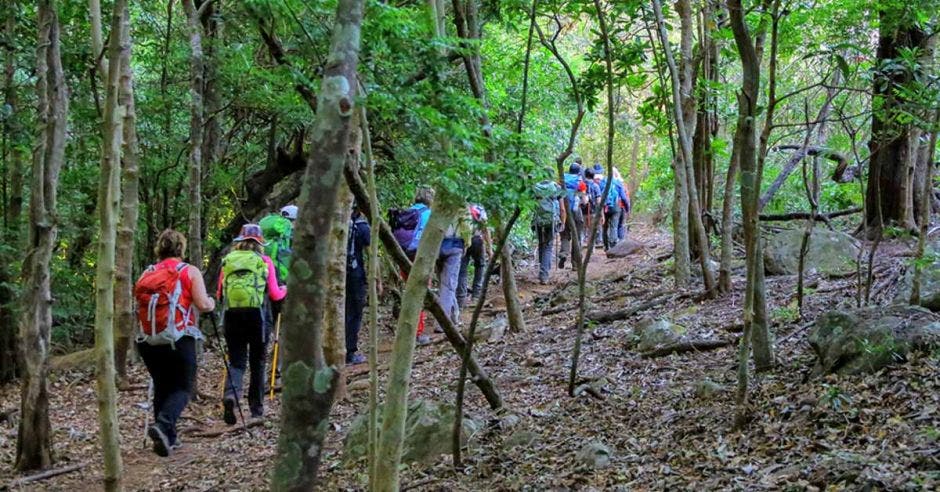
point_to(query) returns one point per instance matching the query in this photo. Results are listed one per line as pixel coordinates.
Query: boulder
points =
(624, 248)
(868, 339)
(428, 430)
(652, 334)
(594, 455)
(929, 284)
(830, 253)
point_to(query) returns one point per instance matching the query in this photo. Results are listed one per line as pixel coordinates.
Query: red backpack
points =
(162, 311)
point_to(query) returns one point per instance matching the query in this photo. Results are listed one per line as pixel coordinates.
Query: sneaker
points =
(161, 444)
(228, 414)
(423, 340)
(355, 359)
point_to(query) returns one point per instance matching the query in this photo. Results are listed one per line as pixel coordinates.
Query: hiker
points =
(576, 196)
(278, 229)
(595, 190)
(170, 295)
(614, 210)
(247, 280)
(407, 226)
(480, 249)
(359, 238)
(449, 262)
(549, 216)
(624, 206)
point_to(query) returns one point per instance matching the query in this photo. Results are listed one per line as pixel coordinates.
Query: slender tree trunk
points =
(305, 413)
(109, 198)
(33, 443)
(684, 113)
(744, 139)
(196, 123)
(510, 291)
(391, 439)
(212, 137)
(727, 224)
(926, 195)
(130, 205)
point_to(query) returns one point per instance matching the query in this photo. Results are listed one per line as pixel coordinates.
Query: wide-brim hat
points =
(251, 232)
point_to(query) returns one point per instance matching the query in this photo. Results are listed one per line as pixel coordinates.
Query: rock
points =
(594, 455)
(706, 388)
(497, 328)
(868, 339)
(929, 286)
(570, 294)
(520, 438)
(713, 267)
(624, 248)
(830, 253)
(657, 333)
(428, 430)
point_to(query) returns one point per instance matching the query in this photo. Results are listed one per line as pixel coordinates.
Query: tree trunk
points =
(745, 148)
(510, 291)
(890, 195)
(727, 224)
(689, 210)
(109, 198)
(391, 438)
(334, 340)
(196, 123)
(305, 413)
(33, 443)
(212, 137)
(130, 204)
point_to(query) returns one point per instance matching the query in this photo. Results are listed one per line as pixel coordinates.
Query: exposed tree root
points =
(19, 482)
(695, 346)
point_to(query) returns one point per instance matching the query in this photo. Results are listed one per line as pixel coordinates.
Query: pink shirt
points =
(275, 291)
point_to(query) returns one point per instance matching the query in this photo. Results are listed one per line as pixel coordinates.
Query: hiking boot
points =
(161, 444)
(423, 340)
(355, 359)
(228, 413)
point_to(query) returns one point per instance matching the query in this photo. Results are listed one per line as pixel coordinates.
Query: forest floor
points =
(667, 425)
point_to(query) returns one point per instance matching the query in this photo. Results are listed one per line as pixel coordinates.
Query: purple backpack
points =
(404, 223)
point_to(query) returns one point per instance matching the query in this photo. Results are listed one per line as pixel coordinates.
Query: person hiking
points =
(359, 238)
(170, 295)
(623, 204)
(549, 216)
(575, 196)
(246, 280)
(595, 190)
(449, 261)
(480, 249)
(407, 226)
(614, 210)
(278, 229)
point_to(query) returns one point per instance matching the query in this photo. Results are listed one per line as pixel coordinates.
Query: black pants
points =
(546, 237)
(173, 371)
(355, 303)
(476, 254)
(246, 340)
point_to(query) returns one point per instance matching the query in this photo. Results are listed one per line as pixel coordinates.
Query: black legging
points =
(246, 340)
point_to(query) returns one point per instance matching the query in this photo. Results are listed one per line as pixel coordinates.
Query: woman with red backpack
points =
(246, 281)
(170, 295)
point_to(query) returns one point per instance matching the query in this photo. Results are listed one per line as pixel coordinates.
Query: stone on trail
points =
(657, 333)
(594, 455)
(624, 248)
(929, 283)
(428, 431)
(830, 253)
(520, 438)
(706, 389)
(868, 339)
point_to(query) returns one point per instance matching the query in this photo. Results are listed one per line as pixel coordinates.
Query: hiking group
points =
(566, 210)
(253, 276)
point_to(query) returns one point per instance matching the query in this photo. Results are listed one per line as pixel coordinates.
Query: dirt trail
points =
(661, 433)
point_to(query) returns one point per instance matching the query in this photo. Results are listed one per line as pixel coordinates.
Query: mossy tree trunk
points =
(33, 443)
(391, 439)
(309, 382)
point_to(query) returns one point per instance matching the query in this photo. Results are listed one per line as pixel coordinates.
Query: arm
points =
(218, 285)
(275, 291)
(201, 298)
(487, 242)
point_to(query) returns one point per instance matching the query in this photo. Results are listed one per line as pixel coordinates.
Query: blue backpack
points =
(572, 183)
(614, 195)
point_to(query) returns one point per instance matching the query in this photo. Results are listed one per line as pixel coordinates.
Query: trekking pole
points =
(277, 335)
(148, 407)
(218, 339)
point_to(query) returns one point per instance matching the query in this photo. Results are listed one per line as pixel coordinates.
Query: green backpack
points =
(244, 281)
(278, 232)
(547, 211)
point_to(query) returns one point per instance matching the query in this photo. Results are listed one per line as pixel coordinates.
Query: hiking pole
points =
(277, 335)
(218, 339)
(148, 407)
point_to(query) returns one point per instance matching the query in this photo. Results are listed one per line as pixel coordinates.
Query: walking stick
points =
(148, 407)
(277, 336)
(218, 339)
